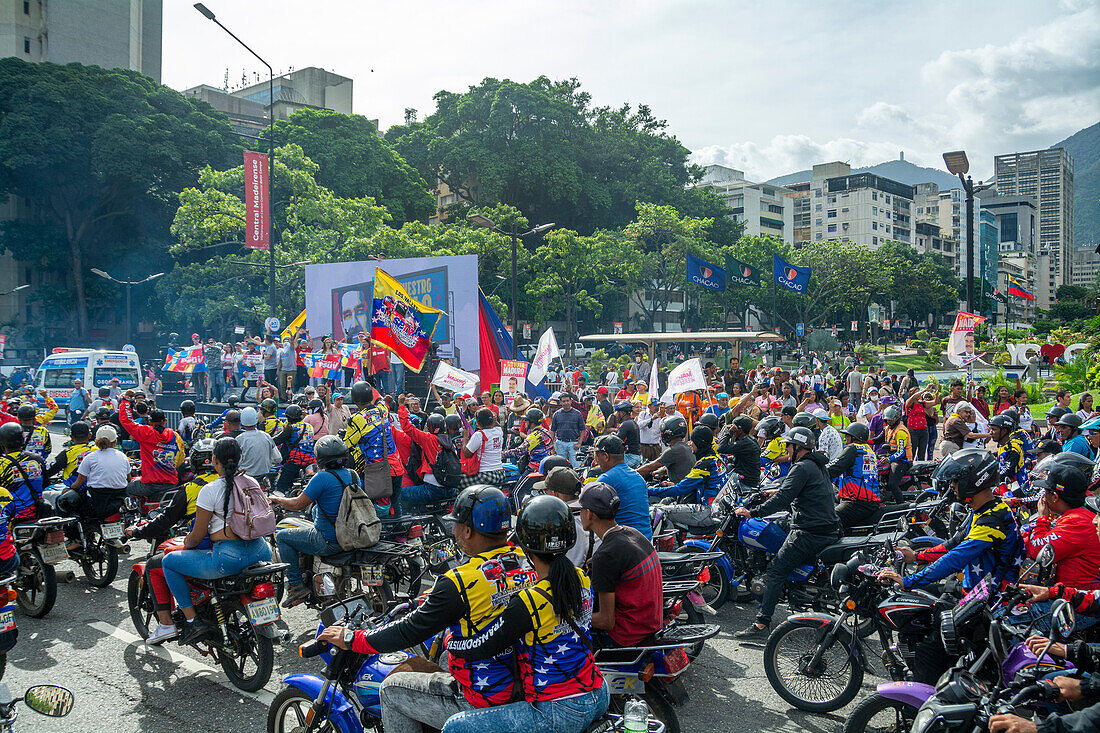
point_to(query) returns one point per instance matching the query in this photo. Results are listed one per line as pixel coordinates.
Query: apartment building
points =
(862, 208)
(765, 209)
(1086, 266)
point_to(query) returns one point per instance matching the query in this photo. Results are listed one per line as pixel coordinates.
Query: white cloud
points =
(790, 153)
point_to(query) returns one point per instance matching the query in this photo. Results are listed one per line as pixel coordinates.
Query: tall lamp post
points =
(483, 221)
(128, 284)
(15, 290)
(958, 164)
(209, 15)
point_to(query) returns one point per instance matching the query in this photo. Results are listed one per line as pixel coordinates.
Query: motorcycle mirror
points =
(1046, 556)
(1061, 619)
(50, 700)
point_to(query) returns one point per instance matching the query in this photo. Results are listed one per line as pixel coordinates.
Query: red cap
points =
(195, 336)
(775, 404)
(601, 390)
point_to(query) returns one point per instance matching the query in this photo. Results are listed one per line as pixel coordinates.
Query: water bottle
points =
(635, 716)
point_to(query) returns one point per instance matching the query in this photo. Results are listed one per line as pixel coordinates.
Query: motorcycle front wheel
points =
(252, 656)
(100, 560)
(830, 685)
(36, 584)
(289, 712)
(880, 715)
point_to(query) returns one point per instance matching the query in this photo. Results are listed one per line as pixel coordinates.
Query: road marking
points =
(263, 696)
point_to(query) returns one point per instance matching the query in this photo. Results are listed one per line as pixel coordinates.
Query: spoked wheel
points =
(252, 657)
(660, 708)
(36, 584)
(378, 596)
(829, 684)
(139, 597)
(716, 591)
(878, 715)
(289, 713)
(100, 559)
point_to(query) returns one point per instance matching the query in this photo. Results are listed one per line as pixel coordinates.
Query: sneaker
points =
(194, 631)
(753, 633)
(162, 633)
(297, 594)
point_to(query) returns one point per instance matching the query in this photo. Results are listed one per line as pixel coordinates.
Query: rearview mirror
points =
(51, 700)
(1061, 619)
(1046, 556)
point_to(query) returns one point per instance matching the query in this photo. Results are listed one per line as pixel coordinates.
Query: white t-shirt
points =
(579, 552)
(869, 409)
(212, 498)
(105, 469)
(494, 444)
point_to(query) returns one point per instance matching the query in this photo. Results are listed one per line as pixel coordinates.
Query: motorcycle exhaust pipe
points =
(65, 576)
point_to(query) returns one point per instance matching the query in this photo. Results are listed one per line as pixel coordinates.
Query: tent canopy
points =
(733, 338)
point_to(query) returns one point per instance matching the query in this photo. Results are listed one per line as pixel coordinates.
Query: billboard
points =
(339, 296)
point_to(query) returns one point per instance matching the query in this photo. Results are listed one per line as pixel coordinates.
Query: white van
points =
(95, 368)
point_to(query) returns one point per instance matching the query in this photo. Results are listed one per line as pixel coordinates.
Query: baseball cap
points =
(722, 396)
(561, 480)
(601, 390)
(775, 404)
(195, 336)
(233, 416)
(610, 444)
(599, 498)
(249, 417)
(107, 432)
(338, 396)
(820, 414)
(1068, 483)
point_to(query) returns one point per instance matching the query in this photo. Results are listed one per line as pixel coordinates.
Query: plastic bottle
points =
(635, 716)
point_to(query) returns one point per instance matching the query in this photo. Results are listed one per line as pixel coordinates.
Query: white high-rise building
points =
(862, 208)
(765, 209)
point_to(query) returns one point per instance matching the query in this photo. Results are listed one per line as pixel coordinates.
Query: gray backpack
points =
(357, 523)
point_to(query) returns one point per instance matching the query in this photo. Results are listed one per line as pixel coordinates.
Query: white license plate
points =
(54, 553)
(371, 575)
(263, 612)
(111, 530)
(415, 542)
(7, 620)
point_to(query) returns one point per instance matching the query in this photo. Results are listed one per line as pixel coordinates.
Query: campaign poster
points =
(962, 347)
(512, 376)
(340, 296)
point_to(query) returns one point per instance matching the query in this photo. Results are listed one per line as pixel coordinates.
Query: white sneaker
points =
(162, 633)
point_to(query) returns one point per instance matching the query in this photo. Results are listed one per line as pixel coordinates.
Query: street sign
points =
(130, 348)
(855, 325)
(239, 330)
(800, 329)
(617, 327)
(272, 324)
(886, 324)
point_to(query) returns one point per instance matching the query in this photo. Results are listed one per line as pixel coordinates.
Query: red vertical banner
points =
(257, 227)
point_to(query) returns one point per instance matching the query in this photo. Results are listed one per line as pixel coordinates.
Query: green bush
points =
(917, 343)
(923, 335)
(597, 364)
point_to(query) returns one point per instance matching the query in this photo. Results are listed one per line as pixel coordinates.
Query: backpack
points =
(252, 516)
(357, 523)
(447, 468)
(416, 459)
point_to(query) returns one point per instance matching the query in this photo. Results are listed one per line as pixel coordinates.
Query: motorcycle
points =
(53, 701)
(241, 610)
(40, 544)
(9, 634)
(97, 548)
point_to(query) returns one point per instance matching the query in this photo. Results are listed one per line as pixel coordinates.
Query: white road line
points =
(262, 696)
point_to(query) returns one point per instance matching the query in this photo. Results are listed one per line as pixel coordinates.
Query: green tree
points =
(98, 155)
(899, 266)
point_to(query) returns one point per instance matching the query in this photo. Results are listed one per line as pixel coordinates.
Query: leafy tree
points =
(899, 267)
(98, 155)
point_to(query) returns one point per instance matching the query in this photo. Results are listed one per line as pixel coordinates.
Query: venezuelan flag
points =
(1015, 288)
(188, 360)
(398, 321)
(322, 366)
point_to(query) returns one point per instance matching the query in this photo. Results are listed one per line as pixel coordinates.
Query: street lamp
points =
(483, 221)
(209, 15)
(958, 164)
(15, 290)
(128, 284)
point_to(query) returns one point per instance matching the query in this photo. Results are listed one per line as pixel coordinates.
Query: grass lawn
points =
(898, 364)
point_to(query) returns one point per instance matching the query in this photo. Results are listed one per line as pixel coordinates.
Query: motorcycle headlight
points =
(925, 721)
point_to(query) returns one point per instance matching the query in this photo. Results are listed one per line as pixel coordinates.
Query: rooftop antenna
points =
(225, 81)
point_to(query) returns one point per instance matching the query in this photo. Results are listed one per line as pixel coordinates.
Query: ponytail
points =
(228, 452)
(104, 443)
(565, 586)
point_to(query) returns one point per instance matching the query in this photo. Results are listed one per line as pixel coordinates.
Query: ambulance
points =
(94, 367)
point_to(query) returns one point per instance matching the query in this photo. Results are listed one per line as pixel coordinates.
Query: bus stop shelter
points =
(733, 338)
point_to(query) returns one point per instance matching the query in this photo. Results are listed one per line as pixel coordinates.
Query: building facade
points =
(861, 208)
(306, 88)
(764, 209)
(1086, 266)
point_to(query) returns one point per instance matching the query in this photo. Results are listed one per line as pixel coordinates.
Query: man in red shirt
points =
(162, 451)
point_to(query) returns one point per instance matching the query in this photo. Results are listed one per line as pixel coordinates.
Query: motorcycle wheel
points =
(831, 686)
(3, 665)
(249, 666)
(880, 715)
(36, 587)
(289, 712)
(100, 560)
(139, 598)
(660, 708)
(715, 591)
(379, 596)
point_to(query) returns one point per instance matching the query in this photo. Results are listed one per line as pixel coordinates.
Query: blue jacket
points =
(988, 543)
(702, 483)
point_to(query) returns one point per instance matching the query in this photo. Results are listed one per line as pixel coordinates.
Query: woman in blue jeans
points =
(213, 551)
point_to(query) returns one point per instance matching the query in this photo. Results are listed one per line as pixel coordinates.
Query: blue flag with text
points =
(791, 276)
(705, 274)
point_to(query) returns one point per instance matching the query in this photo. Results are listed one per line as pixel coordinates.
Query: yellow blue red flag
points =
(397, 321)
(188, 360)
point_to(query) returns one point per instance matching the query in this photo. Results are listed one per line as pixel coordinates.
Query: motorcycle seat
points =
(379, 552)
(439, 506)
(263, 568)
(705, 527)
(847, 546)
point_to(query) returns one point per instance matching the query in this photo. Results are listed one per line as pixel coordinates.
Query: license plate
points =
(371, 575)
(53, 553)
(263, 612)
(111, 530)
(623, 684)
(7, 620)
(676, 660)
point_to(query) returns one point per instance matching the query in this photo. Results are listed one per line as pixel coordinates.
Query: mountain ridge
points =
(901, 171)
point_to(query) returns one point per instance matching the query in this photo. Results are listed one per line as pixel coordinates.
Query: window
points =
(26, 45)
(874, 240)
(772, 208)
(831, 214)
(887, 198)
(26, 7)
(817, 207)
(832, 227)
(874, 225)
(832, 199)
(874, 195)
(60, 378)
(817, 193)
(874, 211)
(817, 222)
(817, 237)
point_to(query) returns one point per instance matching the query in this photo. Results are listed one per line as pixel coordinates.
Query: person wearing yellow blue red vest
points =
(855, 473)
(700, 486)
(369, 438)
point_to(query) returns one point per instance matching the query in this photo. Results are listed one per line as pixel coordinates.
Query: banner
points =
(1015, 288)
(188, 360)
(997, 296)
(527, 330)
(396, 322)
(653, 378)
(257, 228)
(790, 276)
(961, 347)
(454, 379)
(855, 326)
(738, 273)
(323, 366)
(684, 378)
(617, 327)
(294, 326)
(512, 375)
(547, 350)
(705, 274)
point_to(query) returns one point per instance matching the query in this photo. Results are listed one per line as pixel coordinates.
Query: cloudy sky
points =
(767, 87)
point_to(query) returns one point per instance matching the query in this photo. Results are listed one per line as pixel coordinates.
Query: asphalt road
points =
(88, 644)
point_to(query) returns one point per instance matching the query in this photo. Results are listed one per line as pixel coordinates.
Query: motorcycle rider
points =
(1010, 454)
(270, 422)
(743, 449)
(189, 427)
(437, 436)
(100, 485)
(162, 451)
(855, 472)
(901, 451)
(36, 437)
(370, 441)
(808, 493)
(234, 403)
(1069, 430)
(701, 484)
(676, 460)
(20, 473)
(774, 453)
(68, 459)
(297, 436)
(465, 601)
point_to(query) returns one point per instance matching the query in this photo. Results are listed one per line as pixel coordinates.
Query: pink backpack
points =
(252, 516)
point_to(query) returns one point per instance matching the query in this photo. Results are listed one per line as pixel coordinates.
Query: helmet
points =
(1070, 420)
(11, 436)
(534, 416)
(70, 502)
(187, 407)
(975, 469)
(26, 412)
(452, 423)
(857, 431)
(104, 391)
(552, 462)
(435, 423)
(362, 393)
(702, 437)
(710, 420)
(545, 526)
(330, 452)
(80, 429)
(1056, 412)
(673, 427)
(294, 413)
(742, 423)
(14, 403)
(892, 414)
(1014, 415)
(484, 508)
(233, 400)
(1004, 422)
(202, 455)
(802, 437)
(624, 406)
(1043, 468)
(772, 427)
(804, 420)
(301, 400)
(438, 410)
(269, 406)
(315, 404)
(103, 413)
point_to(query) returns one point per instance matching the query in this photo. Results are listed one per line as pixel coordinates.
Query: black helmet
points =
(14, 403)
(294, 413)
(452, 423)
(103, 413)
(892, 414)
(26, 412)
(673, 427)
(702, 438)
(742, 423)
(545, 526)
(187, 407)
(857, 431)
(233, 400)
(1004, 423)
(710, 420)
(315, 404)
(80, 429)
(484, 508)
(1055, 412)
(104, 392)
(70, 502)
(362, 394)
(1014, 415)
(301, 400)
(772, 427)
(804, 420)
(1070, 420)
(975, 469)
(11, 437)
(801, 437)
(269, 406)
(435, 423)
(551, 462)
(438, 410)
(534, 416)
(202, 455)
(330, 452)
(624, 406)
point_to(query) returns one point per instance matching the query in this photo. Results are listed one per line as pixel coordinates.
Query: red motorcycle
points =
(241, 610)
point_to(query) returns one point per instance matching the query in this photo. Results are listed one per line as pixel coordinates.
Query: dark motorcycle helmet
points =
(330, 452)
(551, 462)
(484, 508)
(673, 427)
(13, 404)
(800, 437)
(233, 400)
(974, 470)
(710, 420)
(80, 430)
(771, 427)
(534, 416)
(26, 413)
(624, 406)
(435, 423)
(11, 437)
(439, 410)
(70, 502)
(857, 431)
(187, 407)
(1043, 468)
(1070, 420)
(103, 413)
(301, 400)
(104, 392)
(702, 438)
(545, 526)
(452, 423)
(269, 406)
(892, 414)
(362, 393)
(315, 404)
(1014, 415)
(1056, 412)
(294, 413)
(804, 420)
(1004, 423)
(202, 456)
